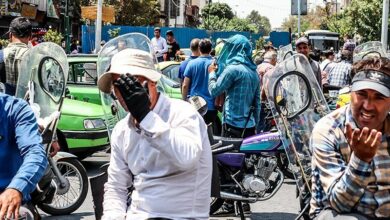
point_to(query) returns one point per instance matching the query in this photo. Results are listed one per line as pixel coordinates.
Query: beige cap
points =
(133, 61)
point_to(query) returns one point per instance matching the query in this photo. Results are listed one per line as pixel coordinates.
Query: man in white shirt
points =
(159, 44)
(161, 147)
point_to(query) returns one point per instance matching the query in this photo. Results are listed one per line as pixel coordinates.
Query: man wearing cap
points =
(173, 46)
(161, 148)
(159, 44)
(19, 34)
(302, 47)
(351, 156)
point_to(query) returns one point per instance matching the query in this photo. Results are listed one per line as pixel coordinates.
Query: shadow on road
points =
(273, 216)
(74, 216)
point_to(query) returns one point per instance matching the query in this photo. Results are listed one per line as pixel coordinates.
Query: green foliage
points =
(261, 23)
(220, 10)
(137, 13)
(4, 42)
(214, 23)
(238, 24)
(53, 36)
(114, 32)
(219, 17)
(362, 17)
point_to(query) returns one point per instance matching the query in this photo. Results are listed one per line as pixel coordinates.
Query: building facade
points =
(181, 13)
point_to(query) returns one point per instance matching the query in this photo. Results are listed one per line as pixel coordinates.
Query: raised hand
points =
(134, 95)
(364, 142)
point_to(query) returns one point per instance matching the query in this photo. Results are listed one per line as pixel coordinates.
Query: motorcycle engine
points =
(258, 183)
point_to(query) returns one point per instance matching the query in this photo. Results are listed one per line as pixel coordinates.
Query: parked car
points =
(170, 69)
(81, 129)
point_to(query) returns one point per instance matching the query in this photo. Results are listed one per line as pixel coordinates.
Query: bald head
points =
(194, 46)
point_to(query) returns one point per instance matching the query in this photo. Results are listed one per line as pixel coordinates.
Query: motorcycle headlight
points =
(94, 123)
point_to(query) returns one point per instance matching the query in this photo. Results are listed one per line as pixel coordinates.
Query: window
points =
(172, 72)
(82, 73)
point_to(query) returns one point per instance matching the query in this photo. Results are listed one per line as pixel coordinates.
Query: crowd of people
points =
(161, 147)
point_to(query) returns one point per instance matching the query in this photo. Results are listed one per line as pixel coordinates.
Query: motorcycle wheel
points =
(69, 198)
(216, 203)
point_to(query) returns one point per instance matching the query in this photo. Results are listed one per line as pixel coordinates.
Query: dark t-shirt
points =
(172, 49)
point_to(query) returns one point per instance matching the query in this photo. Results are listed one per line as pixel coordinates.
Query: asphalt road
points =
(283, 206)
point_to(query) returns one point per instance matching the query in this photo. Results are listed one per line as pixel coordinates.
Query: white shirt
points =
(159, 45)
(171, 162)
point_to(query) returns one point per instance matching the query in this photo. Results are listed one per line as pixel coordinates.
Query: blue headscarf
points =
(236, 50)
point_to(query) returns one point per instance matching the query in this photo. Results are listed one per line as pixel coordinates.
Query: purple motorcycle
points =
(246, 170)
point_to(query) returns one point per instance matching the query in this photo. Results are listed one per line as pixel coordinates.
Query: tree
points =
(362, 17)
(137, 13)
(220, 10)
(315, 19)
(261, 23)
(239, 24)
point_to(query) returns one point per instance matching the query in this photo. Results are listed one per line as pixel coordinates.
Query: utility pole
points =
(385, 23)
(98, 25)
(169, 12)
(65, 13)
(299, 17)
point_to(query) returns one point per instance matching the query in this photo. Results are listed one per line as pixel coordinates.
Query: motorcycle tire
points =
(51, 208)
(215, 205)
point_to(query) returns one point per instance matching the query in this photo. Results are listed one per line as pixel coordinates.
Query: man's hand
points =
(55, 147)
(134, 95)
(10, 202)
(213, 67)
(363, 142)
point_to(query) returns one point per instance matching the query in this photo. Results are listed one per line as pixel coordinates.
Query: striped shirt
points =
(341, 180)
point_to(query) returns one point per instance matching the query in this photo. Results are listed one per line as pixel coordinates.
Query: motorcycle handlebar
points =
(223, 149)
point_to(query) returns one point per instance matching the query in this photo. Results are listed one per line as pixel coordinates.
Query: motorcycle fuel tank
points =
(264, 142)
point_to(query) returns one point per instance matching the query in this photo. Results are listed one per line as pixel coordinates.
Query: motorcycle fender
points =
(62, 155)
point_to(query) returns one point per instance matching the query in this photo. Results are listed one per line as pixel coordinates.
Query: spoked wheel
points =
(216, 203)
(71, 195)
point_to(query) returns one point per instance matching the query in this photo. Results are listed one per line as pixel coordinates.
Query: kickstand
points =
(239, 209)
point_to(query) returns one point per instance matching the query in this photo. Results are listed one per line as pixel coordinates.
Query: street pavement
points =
(283, 206)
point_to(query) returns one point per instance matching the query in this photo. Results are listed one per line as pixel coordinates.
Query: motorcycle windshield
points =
(297, 103)
(112, 109)
(42, 79)
(284, 53)
(369, 49)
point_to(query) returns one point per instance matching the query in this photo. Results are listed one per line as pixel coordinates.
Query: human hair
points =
(380, 64)
(270, 55)
(21, 27)
(170, 33)
(205, 46)
(194, 45)
(157, 29)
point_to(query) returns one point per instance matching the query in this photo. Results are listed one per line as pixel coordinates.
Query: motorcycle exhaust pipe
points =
(231, 196)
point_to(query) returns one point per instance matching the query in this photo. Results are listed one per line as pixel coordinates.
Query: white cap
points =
(133, 61)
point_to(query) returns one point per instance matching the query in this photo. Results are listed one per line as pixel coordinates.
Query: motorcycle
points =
(43, 86)
(297, 103)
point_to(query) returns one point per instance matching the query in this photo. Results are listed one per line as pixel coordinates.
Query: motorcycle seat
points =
(236, 142)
